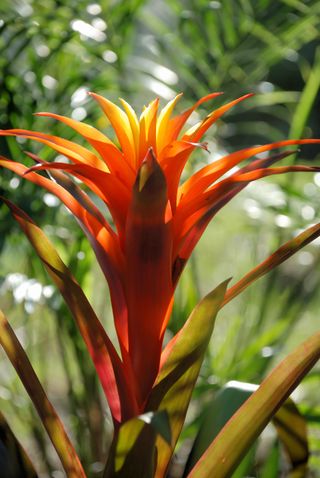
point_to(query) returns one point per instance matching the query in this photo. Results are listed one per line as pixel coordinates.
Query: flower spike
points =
(156, 223)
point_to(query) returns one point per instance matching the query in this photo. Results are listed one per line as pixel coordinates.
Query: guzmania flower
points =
(157, 220)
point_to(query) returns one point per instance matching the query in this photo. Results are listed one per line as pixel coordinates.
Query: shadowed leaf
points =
(14, 462)
(133, 452)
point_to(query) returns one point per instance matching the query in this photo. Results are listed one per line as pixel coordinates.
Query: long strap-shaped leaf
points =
(279, 256)
(66, 182)
(108, 151)
(206, 176)
(210, 201)
(196, 132)
(46, 411)
(73, 151)
(107, 186)
(102, 238)
(227, 450)
(104, 356)
(290, 424)
(180, 368)
(183, 246)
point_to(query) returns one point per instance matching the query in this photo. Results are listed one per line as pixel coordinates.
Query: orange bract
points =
(157, 220)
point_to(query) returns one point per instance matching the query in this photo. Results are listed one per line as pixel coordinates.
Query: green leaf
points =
(290, 424)
(307, 100)
(231, 444)
(279, 256)
(181, 364)
(46, 411)
(224, 404)
(14, 461)
(270, 468)
(133, 451)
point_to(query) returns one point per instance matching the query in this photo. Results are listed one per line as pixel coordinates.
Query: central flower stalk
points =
(148, 281)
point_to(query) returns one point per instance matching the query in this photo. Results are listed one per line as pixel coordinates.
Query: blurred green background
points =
(51, 54)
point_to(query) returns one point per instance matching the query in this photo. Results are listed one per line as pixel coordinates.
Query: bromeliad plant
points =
(157, 221)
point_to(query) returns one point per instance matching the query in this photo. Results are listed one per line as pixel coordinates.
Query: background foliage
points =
(52, 53)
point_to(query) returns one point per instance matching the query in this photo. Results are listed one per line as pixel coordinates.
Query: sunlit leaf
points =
(101, 349)
(290, 425)
(181, 363)
(279, 256)
(47, 413)
(228, 448)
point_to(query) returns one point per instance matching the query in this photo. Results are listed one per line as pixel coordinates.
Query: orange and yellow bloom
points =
(157, 220)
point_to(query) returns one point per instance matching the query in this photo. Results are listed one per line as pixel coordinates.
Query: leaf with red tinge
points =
(64, 180)
(279, 256)
(290, 424)
(212, 200)
(90, 224)
(173, 160)
(107, 186)
(196, 132)
(181, 362)
(47, 413)
(114, 381)
(102, 144)
(206, 176)
(231, 444)
(73, 151)
(102, 238)
(183, 246)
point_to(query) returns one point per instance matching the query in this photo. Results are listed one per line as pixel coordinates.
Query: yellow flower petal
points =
(148, 123)
(120, 124)
(163, 122)
(135, 126)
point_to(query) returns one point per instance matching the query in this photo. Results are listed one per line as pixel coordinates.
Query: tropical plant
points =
(157, 220)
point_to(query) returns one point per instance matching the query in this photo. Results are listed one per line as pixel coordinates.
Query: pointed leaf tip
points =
(150, 178)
